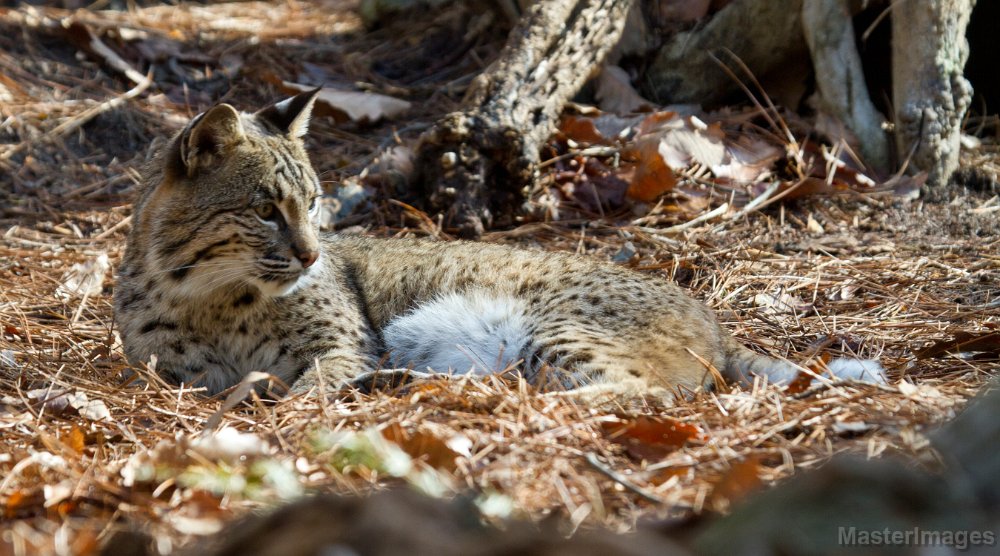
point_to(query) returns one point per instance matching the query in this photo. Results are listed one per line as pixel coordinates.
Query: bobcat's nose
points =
(307, 258)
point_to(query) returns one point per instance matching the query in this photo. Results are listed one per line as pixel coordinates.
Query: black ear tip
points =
(291, 115)
(305, 98)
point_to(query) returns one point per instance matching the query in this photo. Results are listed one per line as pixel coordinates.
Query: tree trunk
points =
(840, 79)
(476, 163)
(931, 95)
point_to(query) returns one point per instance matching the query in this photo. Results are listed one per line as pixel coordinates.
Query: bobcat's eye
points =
(312, 204)
(266, 212)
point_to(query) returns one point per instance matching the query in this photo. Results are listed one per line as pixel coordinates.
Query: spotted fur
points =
(225, 273)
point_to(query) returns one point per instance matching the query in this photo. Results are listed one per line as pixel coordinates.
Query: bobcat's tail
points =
(742, 364)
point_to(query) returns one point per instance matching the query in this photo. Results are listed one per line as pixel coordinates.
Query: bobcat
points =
(225, 273)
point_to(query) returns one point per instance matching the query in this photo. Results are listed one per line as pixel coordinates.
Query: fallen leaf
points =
(615, 127)
(424, 446)
(596, 189)
(651, 438)
(581, 130)
(652, 177)
(229, 444)
(814, 226)
(654, 122)
(355, 106)
(95, 410)
(842, 293)
(781, 303)
(685, 142)
(22, 504)
(615, 93)
(925, 392)
(53, 401)
(75, 440)
(199, 526)
(748, 160)
(742, 478)
(56, 493)
(86, 278)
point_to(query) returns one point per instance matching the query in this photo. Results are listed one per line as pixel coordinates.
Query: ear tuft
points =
(291, 116)
(208, 135)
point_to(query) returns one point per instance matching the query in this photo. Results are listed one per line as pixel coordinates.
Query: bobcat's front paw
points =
(387, 379)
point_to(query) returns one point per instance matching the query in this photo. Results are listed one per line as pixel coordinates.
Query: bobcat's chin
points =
(294, 282)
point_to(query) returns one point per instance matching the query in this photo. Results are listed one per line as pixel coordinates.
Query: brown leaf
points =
(581, 130)
(655, 121)
(76, 440)
(652, 176)
(988, 342)
(651, 438)
(422, 446)
(742, 478)
(598, 187)
(21, 504)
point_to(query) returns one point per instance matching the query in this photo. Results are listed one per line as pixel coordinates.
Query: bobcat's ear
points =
(291, 116)
(208, 135)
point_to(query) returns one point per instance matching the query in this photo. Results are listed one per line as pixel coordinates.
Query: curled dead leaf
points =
(424, 446)
(581, 130)
(95, 410)
(652, 177)
(75, 440)
(651, 438)
(229, 444)
(781, 303)
(742, 478)
(86, 278)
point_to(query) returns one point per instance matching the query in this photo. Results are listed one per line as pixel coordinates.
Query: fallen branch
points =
(475, 164)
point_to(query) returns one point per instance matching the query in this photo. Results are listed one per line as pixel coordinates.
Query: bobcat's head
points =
(231, 204)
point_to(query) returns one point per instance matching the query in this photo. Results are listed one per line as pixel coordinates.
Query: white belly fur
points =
(476, 331)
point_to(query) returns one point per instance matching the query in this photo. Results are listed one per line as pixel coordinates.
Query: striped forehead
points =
(293, 177)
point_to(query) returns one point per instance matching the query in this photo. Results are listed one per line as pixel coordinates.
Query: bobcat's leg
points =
(332, 371)
(388, 379)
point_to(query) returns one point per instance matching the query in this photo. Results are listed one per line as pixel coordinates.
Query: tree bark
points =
(840, 79)
(931, 95)
(475, 164)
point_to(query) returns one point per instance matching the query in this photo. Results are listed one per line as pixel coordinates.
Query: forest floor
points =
(87, 450)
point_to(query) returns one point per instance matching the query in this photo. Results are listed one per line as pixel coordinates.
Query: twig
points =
(618, 478)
